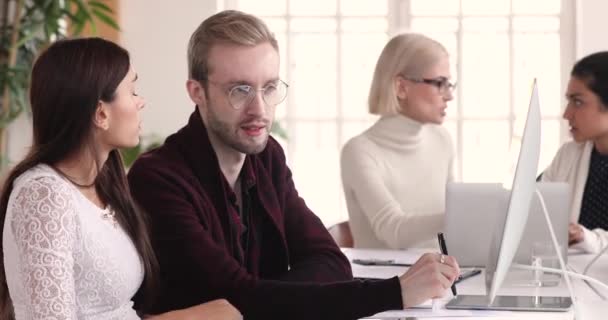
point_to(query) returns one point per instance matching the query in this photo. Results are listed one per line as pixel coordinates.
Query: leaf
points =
(130, 154)
(82, 10)
(71, 16)
(78, 18)
(100, 6)
(52, 27)
(106, 19)
(30, 35)
(77, 26)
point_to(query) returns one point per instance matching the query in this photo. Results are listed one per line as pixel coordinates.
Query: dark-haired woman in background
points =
(74, 244)
(583, 163)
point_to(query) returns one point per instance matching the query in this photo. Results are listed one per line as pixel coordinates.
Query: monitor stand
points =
(512, 303)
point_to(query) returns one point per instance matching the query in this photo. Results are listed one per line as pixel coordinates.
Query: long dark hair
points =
(68, 80)
(593, 70)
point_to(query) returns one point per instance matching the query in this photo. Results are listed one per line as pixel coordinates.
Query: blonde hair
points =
(231, 27)
(407, 54)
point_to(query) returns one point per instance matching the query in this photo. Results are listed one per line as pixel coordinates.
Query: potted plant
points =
(28, 26)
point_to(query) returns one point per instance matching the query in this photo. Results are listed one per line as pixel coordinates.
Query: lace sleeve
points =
(44, 227)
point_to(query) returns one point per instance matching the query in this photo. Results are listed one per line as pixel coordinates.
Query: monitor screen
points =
(509, 231)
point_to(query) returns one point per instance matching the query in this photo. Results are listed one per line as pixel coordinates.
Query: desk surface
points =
(590, 304)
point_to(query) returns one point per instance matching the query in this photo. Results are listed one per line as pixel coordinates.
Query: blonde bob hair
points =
(408, 54)
(227, 27)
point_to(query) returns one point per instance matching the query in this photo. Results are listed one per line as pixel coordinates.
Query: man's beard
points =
(225, 133)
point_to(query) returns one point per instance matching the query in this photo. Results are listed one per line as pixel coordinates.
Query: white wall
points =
(156, 33)
(19, 138)
(591, 27)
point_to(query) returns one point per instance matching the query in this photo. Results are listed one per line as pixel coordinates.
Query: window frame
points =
(399, 19)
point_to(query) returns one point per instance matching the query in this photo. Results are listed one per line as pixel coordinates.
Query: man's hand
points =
(576, 233)
(428, 278)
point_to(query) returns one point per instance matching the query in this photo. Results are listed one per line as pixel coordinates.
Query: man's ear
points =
(196, 91)
(101, 119)
(401, 86)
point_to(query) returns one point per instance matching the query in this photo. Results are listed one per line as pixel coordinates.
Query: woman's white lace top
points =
(63, 257)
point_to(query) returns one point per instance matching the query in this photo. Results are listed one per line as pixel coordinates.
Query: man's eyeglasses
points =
(442, 83)
(241, 95)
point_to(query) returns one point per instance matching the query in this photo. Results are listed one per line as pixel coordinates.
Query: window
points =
(329, 49)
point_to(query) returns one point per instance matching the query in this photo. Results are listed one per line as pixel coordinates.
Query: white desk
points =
(591, 306)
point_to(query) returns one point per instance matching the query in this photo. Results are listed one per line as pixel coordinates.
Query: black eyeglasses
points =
(442, 83)
(241, 95)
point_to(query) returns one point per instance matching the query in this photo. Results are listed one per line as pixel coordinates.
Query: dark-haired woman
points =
(74, 244)
(583, 163)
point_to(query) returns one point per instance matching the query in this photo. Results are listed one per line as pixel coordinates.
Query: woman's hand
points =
(576, 233)
(212, 310)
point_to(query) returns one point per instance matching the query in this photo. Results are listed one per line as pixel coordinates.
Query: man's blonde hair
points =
(408, 54)
(229, 27)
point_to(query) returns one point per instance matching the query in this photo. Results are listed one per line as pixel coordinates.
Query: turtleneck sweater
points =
(394, 176)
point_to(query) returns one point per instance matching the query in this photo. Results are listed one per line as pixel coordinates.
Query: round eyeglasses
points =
(443, 85)
(241, 95)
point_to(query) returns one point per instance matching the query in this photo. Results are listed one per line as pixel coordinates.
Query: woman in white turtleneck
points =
(395, 173)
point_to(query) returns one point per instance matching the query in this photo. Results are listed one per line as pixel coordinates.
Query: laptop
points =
(472, 210)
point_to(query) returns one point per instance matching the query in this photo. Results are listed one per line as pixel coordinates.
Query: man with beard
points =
(227, 221)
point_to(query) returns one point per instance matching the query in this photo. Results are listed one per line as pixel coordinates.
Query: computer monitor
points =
(506, 241)
(508, 234)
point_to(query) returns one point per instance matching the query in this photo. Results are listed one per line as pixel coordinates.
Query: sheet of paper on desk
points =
(381, 272)
(423, 313)
(440, 313)
(409, 256)
(376, 272)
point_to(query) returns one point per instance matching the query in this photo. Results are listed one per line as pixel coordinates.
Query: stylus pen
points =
(444, 250)
(380, 262)
(467, 274)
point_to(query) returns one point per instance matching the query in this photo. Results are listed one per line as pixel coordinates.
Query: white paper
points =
(428, 313)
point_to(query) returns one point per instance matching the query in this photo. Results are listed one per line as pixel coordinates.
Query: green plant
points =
(26, 27)
(147, 143)
(278, 130)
